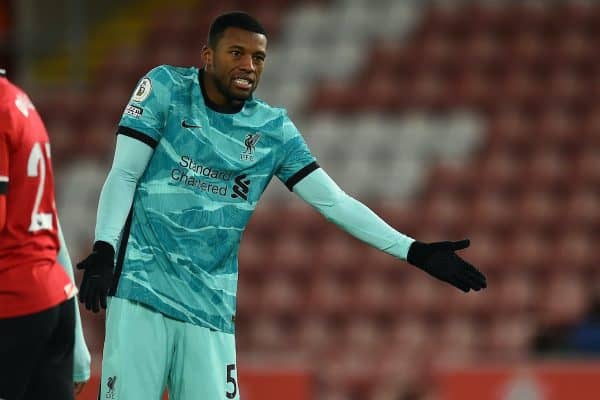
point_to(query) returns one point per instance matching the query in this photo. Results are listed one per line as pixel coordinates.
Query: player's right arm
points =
(116, 198)
(139, 131)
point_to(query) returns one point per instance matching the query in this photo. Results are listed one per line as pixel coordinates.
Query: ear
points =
(207, 56)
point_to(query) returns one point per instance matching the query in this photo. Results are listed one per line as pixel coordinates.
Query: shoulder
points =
(15, 104)
(169, 75)
(8, 93)
(273, 118)
(5, 85)
(164, 83)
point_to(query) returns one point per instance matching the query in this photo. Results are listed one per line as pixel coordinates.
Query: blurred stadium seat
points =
(451, 119)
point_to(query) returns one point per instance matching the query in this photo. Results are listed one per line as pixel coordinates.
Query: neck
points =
(214, 98)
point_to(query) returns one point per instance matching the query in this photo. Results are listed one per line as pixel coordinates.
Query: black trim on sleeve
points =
(3, 187)
(298, 176)
(142, 137)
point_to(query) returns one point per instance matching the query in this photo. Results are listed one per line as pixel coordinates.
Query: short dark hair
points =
(234, 19)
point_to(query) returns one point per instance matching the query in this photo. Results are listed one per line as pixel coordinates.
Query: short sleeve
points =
(145, 116)
(297, 161)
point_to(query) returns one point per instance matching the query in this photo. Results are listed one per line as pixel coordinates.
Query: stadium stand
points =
(476, 119)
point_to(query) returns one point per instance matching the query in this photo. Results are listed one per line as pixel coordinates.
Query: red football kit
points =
(31, 279)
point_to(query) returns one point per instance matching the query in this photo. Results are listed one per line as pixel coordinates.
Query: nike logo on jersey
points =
(185, 124)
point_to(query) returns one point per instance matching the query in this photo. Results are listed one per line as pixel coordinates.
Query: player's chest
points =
(222, 140)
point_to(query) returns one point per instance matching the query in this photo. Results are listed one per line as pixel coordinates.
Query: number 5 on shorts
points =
(231, 379)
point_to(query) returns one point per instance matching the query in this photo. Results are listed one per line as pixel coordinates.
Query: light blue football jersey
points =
(179, 248)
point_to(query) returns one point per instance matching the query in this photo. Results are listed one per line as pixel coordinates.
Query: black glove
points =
(439, 260)
(97, 276)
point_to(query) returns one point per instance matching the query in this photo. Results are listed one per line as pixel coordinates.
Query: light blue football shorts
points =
(146, 352)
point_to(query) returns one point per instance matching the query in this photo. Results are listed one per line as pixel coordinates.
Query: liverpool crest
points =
(250, 143)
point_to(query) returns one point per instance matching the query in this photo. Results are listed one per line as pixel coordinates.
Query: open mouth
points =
(243, 83)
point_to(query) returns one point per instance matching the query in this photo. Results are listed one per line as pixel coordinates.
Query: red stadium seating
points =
(528, 197)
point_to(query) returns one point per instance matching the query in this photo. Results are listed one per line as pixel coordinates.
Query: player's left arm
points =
(438, 259)
(300, 172)
(81, 354)
(321, 192)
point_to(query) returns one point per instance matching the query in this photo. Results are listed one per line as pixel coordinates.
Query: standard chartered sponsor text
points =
(193, 165)
(192, 173)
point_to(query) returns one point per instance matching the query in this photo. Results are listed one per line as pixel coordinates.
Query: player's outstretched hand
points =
(97, 276)
(440, 260)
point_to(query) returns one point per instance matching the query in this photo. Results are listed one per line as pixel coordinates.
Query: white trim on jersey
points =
(3, 178)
